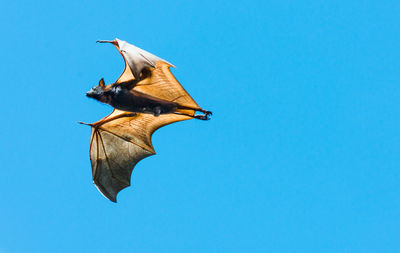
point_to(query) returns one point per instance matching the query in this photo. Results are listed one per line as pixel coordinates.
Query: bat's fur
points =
(121, 96)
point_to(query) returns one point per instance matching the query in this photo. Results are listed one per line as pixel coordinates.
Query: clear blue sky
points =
(301, 155)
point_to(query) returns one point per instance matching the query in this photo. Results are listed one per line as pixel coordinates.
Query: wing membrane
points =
(136, 59)
(118, 145)
(162, 84)
(113, 160)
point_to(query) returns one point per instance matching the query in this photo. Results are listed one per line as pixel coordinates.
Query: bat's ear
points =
(101, 82)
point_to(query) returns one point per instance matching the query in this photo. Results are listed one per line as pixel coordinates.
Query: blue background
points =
(301, 155)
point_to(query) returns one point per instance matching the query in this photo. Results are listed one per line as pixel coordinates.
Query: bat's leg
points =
(205, 116)
(204, 111)
(195, 109)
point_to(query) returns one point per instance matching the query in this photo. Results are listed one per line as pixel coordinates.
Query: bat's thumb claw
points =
(107, 41)
(83, 123)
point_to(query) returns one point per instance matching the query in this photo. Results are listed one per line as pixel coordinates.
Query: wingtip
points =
(169, 64)
(110, 197)
(164, 63)
(105, 193)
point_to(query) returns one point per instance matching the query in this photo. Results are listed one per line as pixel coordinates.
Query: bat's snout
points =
(92, 93)
(97, 93)
(89, 94)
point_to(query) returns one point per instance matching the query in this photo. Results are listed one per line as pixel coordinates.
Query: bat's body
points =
(134, 101)
(123, 97)
(146, 97)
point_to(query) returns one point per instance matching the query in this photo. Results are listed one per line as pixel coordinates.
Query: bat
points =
(145, 97)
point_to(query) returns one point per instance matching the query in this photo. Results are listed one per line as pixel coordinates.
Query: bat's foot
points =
(205, 116)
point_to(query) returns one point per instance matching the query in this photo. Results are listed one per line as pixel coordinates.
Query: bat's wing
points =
(117, 145)
(163, 85)
(160, 84)
(136, 59)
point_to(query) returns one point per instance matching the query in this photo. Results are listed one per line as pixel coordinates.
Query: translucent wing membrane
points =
(113, 160)
(162, 84)
(136, 59)
(118, 145)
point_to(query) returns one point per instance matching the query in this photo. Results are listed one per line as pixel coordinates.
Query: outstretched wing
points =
(119, 144)
(113, 158)
(162, 84)
(136, 59)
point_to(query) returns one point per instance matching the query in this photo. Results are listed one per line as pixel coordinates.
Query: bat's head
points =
(97, 92)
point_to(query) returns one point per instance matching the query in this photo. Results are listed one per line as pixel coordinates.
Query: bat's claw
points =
(205, 116)
(107, 41)
(83, 123)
